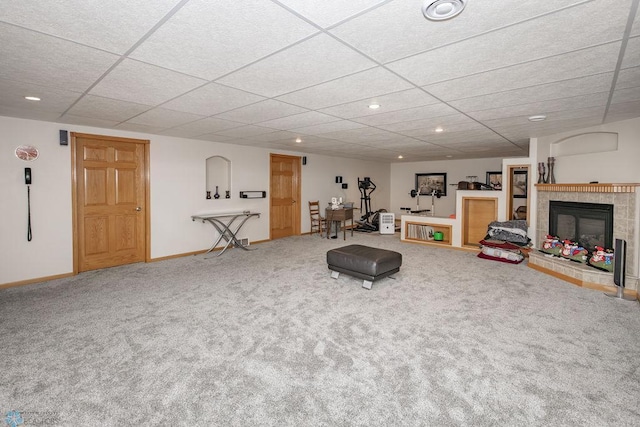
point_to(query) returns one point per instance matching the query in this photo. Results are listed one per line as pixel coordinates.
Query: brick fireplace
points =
(625, 221)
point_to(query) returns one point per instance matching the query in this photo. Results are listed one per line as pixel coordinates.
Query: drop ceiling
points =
(264, 73)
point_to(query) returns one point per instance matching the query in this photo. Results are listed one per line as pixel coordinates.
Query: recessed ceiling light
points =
(298, 140)
(439, 129)
(374, 106)
(400, 156)
(32, 98)
(448, 156)
(440, 10)
(538, 118)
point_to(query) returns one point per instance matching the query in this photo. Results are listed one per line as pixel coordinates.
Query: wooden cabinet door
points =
(477, 213)
(110, 201)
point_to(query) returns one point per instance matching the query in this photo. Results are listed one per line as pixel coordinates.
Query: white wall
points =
(177, 186)
(619, 166)
(403, 178)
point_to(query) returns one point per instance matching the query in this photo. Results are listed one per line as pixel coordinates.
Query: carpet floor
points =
(267, 338)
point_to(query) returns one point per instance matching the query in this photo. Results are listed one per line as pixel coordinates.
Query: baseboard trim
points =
(583, 284)
(62, 276)
(184, 254)
(37, 280)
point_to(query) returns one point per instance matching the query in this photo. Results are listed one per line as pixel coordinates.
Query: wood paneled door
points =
(285, 196)
(110, 179)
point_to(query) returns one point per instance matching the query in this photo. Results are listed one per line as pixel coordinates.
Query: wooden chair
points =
(318, 222)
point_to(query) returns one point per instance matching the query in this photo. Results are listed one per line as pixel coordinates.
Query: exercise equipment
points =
(368, 222)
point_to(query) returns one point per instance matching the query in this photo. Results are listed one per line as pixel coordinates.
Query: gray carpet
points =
(268, 338)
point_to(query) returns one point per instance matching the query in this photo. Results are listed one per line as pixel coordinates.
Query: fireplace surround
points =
(623, 198)
(588, 224)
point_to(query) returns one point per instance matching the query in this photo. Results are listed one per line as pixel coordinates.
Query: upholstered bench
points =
(364, 262)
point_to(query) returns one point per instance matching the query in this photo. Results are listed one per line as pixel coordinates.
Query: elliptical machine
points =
(370, 221)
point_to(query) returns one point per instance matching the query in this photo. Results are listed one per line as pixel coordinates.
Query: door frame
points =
(297, 226)
(74, 192)
(509, 201)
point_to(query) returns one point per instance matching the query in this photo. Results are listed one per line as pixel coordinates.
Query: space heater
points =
(387, 223)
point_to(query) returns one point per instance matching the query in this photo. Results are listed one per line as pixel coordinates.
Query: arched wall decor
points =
(585, 143)
(218, 177)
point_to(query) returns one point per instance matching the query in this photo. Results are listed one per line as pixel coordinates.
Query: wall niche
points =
(218, 178)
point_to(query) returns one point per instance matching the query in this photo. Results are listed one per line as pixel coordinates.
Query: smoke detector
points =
(440, 10)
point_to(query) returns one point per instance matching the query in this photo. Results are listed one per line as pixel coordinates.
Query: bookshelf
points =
(420, 232)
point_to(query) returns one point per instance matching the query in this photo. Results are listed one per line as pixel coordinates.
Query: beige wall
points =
(178, 177)
(403, 181)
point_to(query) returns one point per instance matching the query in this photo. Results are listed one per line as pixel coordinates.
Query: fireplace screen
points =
(588, 224)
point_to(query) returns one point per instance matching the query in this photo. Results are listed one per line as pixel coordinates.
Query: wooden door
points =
(285, 196)
(110, 180)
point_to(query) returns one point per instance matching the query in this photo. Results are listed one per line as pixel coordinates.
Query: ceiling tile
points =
(389, 102)
(449, 130)
(398, 29)
(52, 100)
(106, 108)
(366, 84)
(87, 121)
(516, 44)
(596, 60)
(311, 62)
(142, 83)
(328, 127)
(544, 92)
(299, 120)
(262, 111)
(94, 23)
(329, 12)
(277, 136)
(161, 117)
(623, 111)
(548, 108)
(363, 134)
(209, 39)
(630, 94)
(215, 138)
(429, 123)
(212, 99)
(427, 111)
(28, 113)
(49, 61)
(135, 127)
(201, 127)
(592, 113)
(632, 53)
(245, 131)
(629, 77)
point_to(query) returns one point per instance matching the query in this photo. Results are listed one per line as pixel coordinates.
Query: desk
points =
(340, 216)
(223, 222)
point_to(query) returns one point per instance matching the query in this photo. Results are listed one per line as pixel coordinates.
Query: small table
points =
(223, 222)
(339, 216)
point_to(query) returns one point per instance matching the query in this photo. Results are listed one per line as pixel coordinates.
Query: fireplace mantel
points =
(589, 188)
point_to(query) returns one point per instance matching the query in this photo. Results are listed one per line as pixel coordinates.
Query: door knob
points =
(138, 208)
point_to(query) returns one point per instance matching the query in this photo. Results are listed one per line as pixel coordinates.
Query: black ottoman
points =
(364, 262)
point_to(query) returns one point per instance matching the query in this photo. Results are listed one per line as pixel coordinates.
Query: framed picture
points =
(519, 188)
(426, 183)
(494, 179)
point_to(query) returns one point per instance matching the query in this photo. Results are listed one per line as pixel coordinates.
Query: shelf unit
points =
(419, 232)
